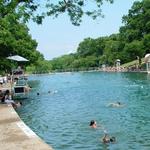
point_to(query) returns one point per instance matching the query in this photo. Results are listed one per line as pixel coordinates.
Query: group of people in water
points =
(49, 92)
(6, 98)
(106, 138)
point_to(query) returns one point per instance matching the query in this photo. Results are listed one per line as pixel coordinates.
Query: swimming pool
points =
(66, 103)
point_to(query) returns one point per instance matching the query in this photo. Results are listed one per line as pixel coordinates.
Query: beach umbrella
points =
(17, 58)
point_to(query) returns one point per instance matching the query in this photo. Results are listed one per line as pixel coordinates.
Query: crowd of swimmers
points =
(6, 98)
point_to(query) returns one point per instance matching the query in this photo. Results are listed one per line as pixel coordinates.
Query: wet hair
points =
(92, 122)
(112, 139)
(38, 93)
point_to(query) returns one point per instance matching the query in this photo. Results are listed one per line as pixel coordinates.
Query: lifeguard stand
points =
(118, 64)
(147, 61)
(103, 67)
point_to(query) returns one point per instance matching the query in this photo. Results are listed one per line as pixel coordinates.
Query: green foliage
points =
(146, 43)
(132, 42)
(136, 31)
(27, 9)
(91, 47)
(16, 40)
(132, 50)
(14, 35)
(63, 62)
(41, 66)
(76, 9)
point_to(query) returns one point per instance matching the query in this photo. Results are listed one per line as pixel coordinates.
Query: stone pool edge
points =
(15, 134)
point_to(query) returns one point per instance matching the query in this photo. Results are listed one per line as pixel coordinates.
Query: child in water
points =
(107, 139)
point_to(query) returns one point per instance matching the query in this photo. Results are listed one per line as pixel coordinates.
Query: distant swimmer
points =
(93, 124)
(116, 104)
(49, 91)
(19, 104)
(52, 92)
(107, 139)
(38, 93)
(55, 91)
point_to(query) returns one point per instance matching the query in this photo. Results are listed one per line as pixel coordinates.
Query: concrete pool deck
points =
(15, 135)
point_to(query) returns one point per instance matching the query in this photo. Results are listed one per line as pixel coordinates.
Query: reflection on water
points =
(62, 118)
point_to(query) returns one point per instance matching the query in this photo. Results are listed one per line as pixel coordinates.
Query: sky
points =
(57, 37)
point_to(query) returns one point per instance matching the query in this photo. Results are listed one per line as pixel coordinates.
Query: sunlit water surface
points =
(61, 118)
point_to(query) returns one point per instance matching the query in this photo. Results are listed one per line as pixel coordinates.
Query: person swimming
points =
(93, 124)
(107, 139)
(116, 104)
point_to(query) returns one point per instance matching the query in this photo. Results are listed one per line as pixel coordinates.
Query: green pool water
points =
(66, 103)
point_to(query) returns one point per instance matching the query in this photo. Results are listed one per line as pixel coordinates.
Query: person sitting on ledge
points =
(6, 99)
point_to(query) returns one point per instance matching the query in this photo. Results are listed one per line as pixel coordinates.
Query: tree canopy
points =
(132, 41)
(14, 34)
(15, 39)
(27, 9)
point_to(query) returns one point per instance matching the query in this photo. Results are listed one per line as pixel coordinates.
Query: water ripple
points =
(62, 118)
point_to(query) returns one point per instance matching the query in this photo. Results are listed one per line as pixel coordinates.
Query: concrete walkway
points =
(15, 135)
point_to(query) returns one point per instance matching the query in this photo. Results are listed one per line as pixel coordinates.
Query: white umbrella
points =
(17, 58)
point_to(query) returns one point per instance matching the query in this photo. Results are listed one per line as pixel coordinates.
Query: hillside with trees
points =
(131, 43)
(14, 33)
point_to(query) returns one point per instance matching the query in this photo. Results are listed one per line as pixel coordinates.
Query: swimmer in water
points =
(116, 104)
(107, 139)
(93, 124)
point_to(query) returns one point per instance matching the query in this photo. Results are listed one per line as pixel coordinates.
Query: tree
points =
(133, 50)
(137, 22)
(132, 42)
(75, 9)
(111, 51)
(86, 47)
(91, 47)
(146, 43)
(14, 35)
(135, 32)
(15, 39)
